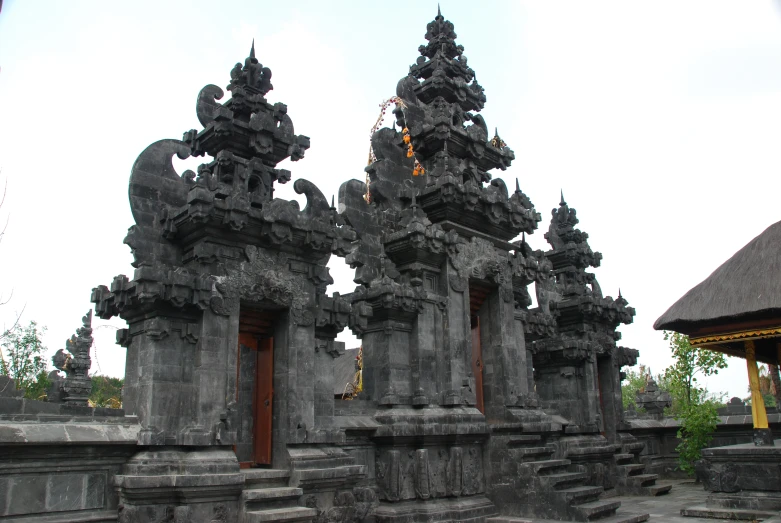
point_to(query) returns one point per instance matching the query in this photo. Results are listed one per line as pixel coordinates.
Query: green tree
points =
(693, 405)
(22, 358)
(633, 383)
(106, 392)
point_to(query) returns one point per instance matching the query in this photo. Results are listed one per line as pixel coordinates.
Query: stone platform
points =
(743, 481)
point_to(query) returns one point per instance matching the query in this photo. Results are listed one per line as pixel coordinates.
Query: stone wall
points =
(61, 460)
(660, 436)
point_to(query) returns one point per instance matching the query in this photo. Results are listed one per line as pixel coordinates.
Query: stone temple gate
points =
(474, 405)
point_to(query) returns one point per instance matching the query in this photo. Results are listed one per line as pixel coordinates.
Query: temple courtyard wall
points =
(58, 462)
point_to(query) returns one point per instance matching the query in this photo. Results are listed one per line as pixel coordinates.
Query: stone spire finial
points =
(252, 76)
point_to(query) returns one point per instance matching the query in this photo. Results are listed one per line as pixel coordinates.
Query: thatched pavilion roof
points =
(745, 288)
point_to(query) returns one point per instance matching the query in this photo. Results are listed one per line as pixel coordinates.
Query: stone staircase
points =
(267, 498)
(557, 487)
(632, 479)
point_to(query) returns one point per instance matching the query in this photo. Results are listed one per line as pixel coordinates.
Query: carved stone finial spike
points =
(619, 292)
(252, 49)
(332, 202)
(439, 11)
(517, 185)
(562, 198)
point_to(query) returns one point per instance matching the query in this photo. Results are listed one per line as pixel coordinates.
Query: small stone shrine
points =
(468, 404)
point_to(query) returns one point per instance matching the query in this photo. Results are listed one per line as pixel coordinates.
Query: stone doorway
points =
(607, 397)
(477, 296)
(255, 391)
(477, 363)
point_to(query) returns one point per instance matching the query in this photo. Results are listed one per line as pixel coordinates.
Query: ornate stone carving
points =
(76, 364)
(422, 479)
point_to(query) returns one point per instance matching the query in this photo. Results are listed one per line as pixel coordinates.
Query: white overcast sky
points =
(660, 120)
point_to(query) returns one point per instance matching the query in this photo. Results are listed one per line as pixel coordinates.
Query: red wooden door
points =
(264, 401)
(477, 363)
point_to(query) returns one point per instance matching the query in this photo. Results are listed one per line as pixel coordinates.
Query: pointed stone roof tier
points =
(576, 292)
(740, 300)
(440, 100)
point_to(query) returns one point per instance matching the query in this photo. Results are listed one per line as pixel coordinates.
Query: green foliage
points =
(22, 358)
(692, 404)
(689, 362)
(696, 431)
(106, 392)
(633, 383)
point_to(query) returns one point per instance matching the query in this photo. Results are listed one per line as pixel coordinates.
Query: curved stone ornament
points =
(316, 204)
(154, 184)
(207, 105)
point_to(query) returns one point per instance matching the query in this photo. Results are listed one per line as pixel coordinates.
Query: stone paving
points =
(667, 508)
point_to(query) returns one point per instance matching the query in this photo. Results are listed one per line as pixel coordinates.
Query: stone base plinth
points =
(180, 484)
(763, 438)
(743, 477)
(473, 508)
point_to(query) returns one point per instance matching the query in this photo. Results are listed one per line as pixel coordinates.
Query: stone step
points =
(631, 469)
(581, 494)
(618, 518)
(634, 447)
(561, 480)
(625, 518)
(595, 510)
(271, 494)
(658, 490)
(641, 480)
(523, 439)
(591, 450)
(531, 452)
(266, 477)
(623, 457)
(547, 465)
(280, 515)
(650, 490)
(727, 513)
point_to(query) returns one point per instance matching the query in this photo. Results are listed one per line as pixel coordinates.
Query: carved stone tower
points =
(227, 314)
(577, 370)
(444, 350)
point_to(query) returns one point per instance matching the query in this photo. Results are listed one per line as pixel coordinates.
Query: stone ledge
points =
(22, 406)
(68, 433)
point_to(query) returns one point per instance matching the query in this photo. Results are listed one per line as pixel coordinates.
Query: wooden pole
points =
(758, 412)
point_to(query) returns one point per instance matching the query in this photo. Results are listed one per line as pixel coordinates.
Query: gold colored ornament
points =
(351, 390)
(407, 139)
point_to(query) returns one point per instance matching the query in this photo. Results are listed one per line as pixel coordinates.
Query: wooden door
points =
(264, 401)
(477, 363)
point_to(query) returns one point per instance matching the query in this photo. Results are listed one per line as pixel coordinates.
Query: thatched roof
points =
(744, 288)
(344, 370)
